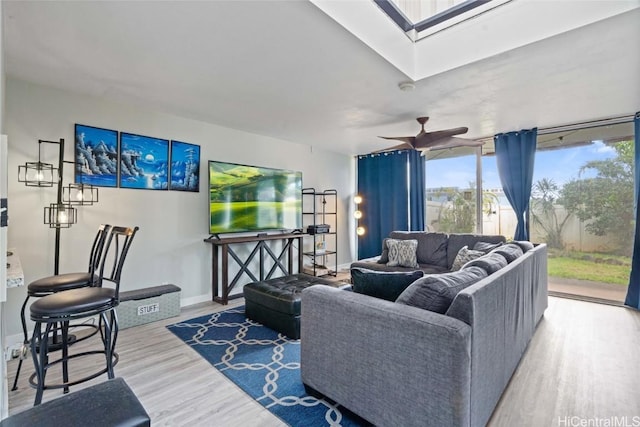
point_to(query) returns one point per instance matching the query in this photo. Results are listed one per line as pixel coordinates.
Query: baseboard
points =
(344, 267)
(184, 302)
(14, 341)
(585, 298)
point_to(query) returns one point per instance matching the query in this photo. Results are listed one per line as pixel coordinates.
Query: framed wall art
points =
(96, 156)
(144, 162)
(185, 167)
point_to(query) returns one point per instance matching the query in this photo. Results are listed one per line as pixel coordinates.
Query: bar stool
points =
(65, 306)
(61, 282)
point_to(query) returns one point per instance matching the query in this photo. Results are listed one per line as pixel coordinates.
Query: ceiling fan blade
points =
(404, 146)
(424, 139)
(452, 142)
(406, 139)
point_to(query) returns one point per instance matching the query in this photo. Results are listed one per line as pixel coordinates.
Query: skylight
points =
(420, 18)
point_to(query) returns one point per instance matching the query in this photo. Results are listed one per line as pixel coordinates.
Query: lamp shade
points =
(60, 215)
(37, 174)
(80, 194)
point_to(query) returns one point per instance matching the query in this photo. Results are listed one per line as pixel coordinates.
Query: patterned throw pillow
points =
(464, 256)
(402, 253)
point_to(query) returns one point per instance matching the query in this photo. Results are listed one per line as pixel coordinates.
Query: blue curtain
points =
(515, 154)
(633, 292)
(382, 183)
(416, 191)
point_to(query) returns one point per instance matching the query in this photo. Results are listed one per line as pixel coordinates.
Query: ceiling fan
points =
(436, 140)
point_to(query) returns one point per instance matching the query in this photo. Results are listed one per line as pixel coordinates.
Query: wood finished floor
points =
(584, 361)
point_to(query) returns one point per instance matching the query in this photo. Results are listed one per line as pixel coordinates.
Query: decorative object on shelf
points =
(144, 162)
(60, 214)
(185, 167)
(320, 210)
(96, 156)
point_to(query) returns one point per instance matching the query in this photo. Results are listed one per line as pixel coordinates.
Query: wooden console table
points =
(261, 248)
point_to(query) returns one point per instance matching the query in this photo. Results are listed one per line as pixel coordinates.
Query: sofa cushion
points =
(509, 251)
(382, 284)
(457, 241)
(490, 262)
(432, 247)
(485, 247)
(464, 256)
(524, 245)
(435, 292)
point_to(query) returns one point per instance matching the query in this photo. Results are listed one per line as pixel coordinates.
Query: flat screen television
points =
(250, 198)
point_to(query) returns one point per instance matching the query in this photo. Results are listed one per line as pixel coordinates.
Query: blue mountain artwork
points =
(96, 161)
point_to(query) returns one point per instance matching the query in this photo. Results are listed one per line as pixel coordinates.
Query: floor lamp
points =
(62, 213)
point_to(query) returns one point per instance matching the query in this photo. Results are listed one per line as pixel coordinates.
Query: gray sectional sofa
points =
(396, 364)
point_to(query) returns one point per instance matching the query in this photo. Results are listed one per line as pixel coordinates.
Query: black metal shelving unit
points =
(321, 207)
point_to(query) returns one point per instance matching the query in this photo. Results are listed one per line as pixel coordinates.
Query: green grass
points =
(590, 266)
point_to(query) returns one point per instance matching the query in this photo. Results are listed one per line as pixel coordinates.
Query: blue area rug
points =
(264, 364)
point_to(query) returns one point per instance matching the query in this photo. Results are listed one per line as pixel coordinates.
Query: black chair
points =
(61, 282)
(63, 307)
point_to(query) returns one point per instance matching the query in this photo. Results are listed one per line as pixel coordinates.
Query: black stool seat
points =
(111, 403)
(276, 302)
(61, 282)
(75, 301)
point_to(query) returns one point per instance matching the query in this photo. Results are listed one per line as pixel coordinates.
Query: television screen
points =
(248, 198)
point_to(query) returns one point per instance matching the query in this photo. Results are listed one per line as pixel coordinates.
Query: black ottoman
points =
(276, 302)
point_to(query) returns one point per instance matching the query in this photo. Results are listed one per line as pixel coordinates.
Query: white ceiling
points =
(287, 70)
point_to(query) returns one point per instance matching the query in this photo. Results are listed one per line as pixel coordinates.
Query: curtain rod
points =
(578, 125)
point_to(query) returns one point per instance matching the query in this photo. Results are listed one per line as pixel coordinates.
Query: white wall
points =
(169, 247)
(4, 401)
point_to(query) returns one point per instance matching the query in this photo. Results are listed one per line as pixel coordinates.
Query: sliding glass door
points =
(582, 207)
(581, 204)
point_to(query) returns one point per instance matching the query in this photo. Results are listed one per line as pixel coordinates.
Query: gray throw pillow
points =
(382, 284)
(509, 251)
(435, 292)
(464, 256)
(402, 253)
(490, 262)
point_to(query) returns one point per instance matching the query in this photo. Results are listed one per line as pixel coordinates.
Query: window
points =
(420, 18)
(581, 204)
